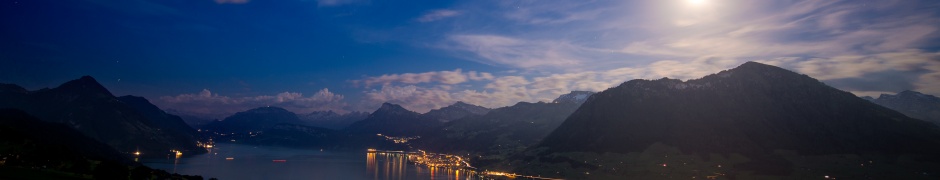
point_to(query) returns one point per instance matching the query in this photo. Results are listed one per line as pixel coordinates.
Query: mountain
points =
(88, 107)
(751, 122)
(20, 128)
(456, 111)
(162, 120)
(296, 136)
(913, 104)
(393, 120)
(253, 120)
(332, 120)
(34, 149)
(501, 133)
(194, 121)
(575, 97)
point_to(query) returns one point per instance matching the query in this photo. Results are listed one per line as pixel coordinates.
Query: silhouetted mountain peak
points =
(913, 94)
(12, 88)
(268, 109)
(332, 120)
(394, 120)
(455, 111)
(461, 103)
(323, 113)
(912, 103)
(256, 119)
(576, 97)
(908, 95)
(84, 85)
(88, 107)
(389, 107)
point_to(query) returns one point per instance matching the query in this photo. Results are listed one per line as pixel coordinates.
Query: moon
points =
(696, 2)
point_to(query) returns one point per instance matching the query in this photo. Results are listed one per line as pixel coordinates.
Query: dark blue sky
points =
(215, 57)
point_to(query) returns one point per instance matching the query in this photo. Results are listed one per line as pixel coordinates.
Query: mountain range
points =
(393, 120)
(502, 132)
(753, 121)
(127, 124)
(456, 111)
(332, 120)
(911, 103)
(34, 149)
(253, 121)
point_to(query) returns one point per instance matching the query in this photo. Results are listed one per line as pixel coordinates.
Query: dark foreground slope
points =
(33, 149)
(88, 107)
(755, 118)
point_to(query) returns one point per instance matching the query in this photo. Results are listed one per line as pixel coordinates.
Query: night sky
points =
(216, 57)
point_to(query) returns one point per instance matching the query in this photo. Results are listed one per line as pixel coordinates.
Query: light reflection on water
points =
(395, 166)
(250, 162)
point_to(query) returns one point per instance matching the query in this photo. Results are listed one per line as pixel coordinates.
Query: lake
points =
(236, 161)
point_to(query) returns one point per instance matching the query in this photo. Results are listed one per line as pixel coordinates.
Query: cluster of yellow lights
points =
(496, 173)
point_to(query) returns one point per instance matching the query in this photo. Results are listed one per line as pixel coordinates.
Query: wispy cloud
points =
(501, 50)
(437, 15)
(851, 45)
(872, 74)
(443, 77)
(498, 91)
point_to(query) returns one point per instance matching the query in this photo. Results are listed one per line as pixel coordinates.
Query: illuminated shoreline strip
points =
(422, 158)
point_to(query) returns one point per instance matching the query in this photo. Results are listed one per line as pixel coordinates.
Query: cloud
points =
(206, 103)
(444, 77)
(860, 47)
(422, 94)
(411, 97)
(808, 28)
(911, 69)
(552, 47)
(502, 50)
(231, 1)
(437, 15)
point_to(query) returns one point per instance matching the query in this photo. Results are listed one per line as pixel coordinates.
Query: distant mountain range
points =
(299, 136)
(332, 120)
(912, 103)
(127, 124)
(194, 121)
(394, 120)
(253, 121)
(505, 131)
(276, 126)
(456, 111)
(749, 122)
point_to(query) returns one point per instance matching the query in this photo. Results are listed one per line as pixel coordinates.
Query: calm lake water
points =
(251, 162)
